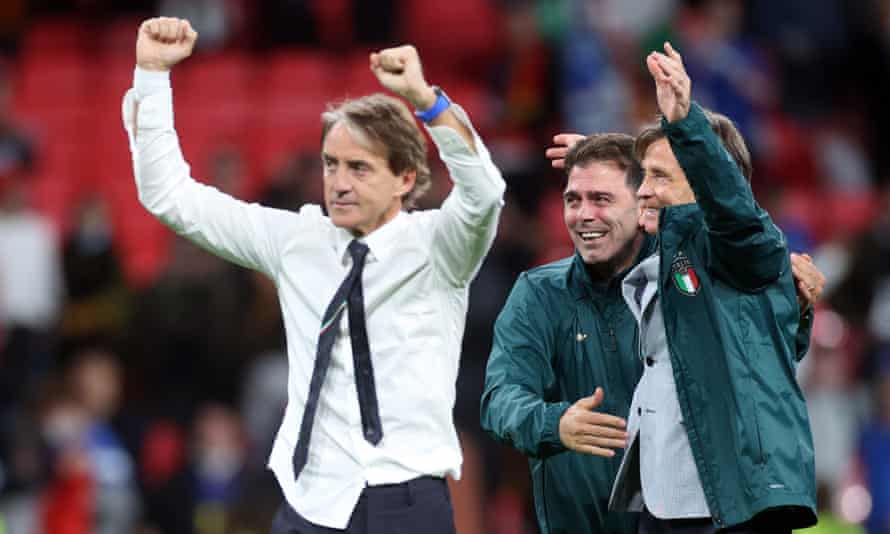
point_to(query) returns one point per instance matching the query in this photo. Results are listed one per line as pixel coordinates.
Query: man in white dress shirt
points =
(374, 296)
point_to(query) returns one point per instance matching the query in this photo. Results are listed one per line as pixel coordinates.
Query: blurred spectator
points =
(596, 95)
(219, 456)
(98, 301)
(96, 384)
(167, 491)
(30, 279)
(69, 500)
(730, 72)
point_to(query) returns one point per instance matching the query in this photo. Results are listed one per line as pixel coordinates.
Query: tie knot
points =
(358, 251)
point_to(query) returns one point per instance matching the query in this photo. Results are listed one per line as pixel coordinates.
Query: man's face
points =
(360, 191)
(601, 214)
(664, 184)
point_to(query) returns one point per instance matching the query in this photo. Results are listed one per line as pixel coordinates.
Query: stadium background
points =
(141, 380)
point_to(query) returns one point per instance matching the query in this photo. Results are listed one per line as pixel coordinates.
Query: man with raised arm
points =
(373, 295)
(719, 433)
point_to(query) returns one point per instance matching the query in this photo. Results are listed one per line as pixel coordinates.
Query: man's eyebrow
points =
(354, 162)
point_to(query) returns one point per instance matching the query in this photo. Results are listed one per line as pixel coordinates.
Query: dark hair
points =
(722, 125)
(388, 126)
(614, 148)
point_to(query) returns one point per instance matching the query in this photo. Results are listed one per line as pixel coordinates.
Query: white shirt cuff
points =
(149, 82)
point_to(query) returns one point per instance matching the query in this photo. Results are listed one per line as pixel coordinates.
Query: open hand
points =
(673, 88)
(583, 430)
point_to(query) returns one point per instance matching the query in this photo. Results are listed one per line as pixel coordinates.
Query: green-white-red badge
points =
(684, 275)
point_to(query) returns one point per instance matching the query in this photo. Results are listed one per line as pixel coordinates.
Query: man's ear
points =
(406, 182)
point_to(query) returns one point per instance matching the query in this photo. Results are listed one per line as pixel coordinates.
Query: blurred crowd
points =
(143, 379)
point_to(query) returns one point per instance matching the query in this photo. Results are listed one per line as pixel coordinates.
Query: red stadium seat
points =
(296, 72)
(48, 84)
(214, 79)
(358, 78)
(467, 34)
(119, 36)
(284, 127)
(55, 35)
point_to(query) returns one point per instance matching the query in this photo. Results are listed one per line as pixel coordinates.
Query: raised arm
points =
(465, 227)
(748, 250)
(240, 232)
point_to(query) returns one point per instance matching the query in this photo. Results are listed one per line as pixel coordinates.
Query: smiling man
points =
(719, 434)
(373, 295)
(564, 348)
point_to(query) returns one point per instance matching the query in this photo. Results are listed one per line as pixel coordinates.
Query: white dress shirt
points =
(668, 476)
(415, 284)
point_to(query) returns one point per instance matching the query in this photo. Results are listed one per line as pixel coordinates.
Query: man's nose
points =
(645, 190)
(589, 211)
(340, 181)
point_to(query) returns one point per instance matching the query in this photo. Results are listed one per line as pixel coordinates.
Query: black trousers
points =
(422, 505)
(650, 524)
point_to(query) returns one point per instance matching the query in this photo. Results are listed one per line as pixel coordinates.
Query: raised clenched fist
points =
(164, 42)
(398, 69)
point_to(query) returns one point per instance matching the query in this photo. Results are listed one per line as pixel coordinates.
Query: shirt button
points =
(650, 361)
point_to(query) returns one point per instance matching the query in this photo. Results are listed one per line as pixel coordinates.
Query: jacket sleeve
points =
(519, 376)
(747, 249)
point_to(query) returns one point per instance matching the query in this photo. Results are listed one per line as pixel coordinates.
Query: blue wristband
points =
(442, 103)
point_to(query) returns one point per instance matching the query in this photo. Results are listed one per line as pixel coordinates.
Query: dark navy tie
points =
(349, 294)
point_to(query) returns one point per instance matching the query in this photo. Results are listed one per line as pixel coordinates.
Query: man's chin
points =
(341, 220)
(649, 224)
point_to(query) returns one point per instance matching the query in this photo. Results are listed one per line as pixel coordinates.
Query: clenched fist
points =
(164, 42)
(398, 69)
(583, 430)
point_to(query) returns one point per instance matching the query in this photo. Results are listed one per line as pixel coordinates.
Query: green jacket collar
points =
(578, 280)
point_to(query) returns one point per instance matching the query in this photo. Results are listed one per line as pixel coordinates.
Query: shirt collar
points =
(380, 242)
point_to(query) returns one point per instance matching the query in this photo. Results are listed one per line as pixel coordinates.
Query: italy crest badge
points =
(684, 275)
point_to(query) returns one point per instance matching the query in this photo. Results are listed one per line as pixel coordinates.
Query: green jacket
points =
(558, 337)
(734, 339)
